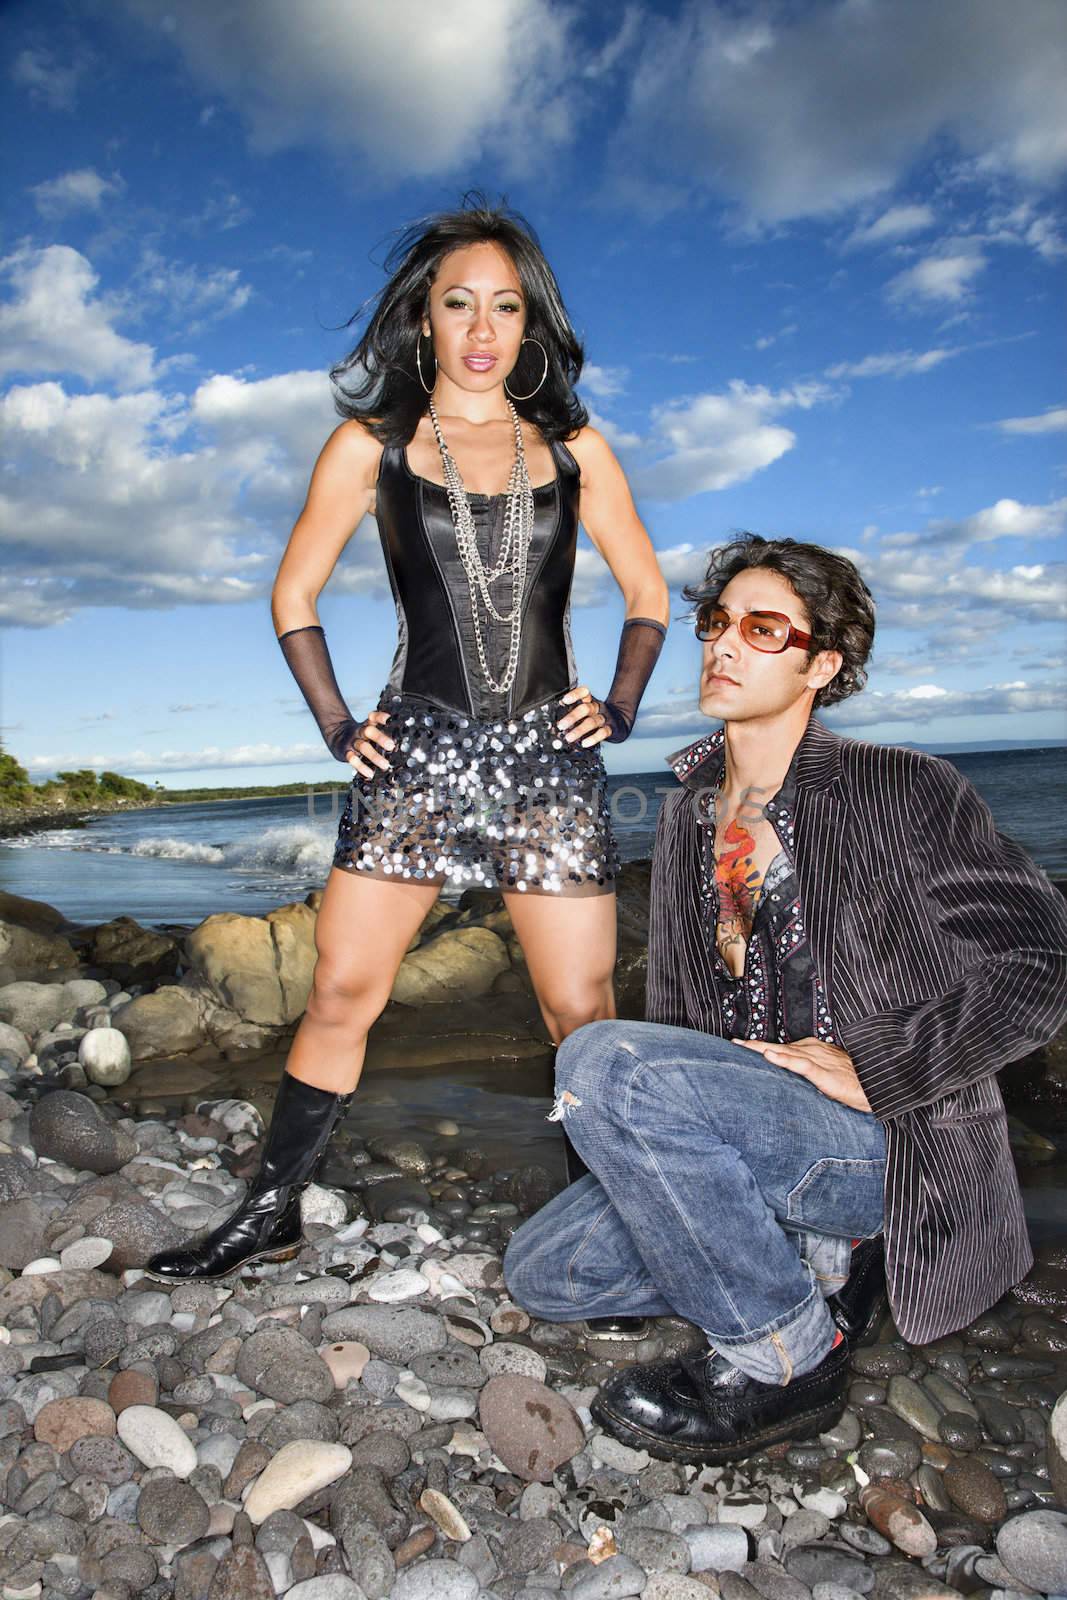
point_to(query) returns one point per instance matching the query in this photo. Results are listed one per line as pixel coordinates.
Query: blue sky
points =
(816, 253)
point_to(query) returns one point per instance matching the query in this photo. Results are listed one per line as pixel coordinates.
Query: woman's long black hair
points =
(386, 395)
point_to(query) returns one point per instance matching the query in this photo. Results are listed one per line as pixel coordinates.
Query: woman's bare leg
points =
(362, 933)
(569, 945)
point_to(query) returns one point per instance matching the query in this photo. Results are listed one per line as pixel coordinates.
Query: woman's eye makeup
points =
(464, 305)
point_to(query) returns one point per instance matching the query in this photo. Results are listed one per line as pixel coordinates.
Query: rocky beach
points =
(376, 1418)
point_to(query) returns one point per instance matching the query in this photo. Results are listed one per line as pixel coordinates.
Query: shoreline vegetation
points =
(74, 799)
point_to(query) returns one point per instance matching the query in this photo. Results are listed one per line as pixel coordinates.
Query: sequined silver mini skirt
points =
(504, 805)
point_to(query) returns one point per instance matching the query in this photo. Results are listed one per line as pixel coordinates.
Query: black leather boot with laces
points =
(267, 1224)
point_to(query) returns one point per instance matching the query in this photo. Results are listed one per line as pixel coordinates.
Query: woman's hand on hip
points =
(586, 723)
(364, 750)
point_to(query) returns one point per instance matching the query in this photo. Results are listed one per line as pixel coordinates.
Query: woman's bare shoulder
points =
(352, 449)
(588, 445)
(594, 455)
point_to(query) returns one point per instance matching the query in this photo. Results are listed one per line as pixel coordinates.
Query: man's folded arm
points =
(1008, 924)
(665, 994)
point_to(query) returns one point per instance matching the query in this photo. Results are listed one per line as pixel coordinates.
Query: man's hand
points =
(824, 1065)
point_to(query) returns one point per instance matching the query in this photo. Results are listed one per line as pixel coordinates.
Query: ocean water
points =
(179, 864)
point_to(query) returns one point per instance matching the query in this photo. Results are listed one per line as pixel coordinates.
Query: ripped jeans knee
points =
(564, 1103)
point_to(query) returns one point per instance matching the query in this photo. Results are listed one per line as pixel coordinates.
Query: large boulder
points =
(132, 954)
(258, 967)
(166, 1023)
(32, 939)
(34, 1008)
(458, 964)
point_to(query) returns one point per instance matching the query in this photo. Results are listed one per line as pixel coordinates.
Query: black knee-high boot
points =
(266, 1226)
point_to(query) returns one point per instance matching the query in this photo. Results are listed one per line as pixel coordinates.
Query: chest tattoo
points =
(738, 880)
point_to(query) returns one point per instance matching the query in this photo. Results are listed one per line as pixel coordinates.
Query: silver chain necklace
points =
(518, 535)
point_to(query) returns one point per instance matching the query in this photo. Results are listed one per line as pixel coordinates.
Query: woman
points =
(480, 763)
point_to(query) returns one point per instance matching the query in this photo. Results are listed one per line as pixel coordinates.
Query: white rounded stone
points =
(406, 1284)
(322, 1205)
(156, 1439)
(301, 1468)
(827, 1501)
(413, 1392)
(104, 1055)
(453, 1405)
(355, 1230)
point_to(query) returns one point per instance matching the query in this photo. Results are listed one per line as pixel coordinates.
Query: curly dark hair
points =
(387, 396)
(839, 605)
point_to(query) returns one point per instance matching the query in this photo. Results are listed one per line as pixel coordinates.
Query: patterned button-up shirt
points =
(778, 994)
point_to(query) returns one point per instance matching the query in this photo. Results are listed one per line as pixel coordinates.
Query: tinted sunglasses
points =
(769, 631)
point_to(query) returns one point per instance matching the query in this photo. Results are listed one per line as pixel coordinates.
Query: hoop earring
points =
(418, 363)
(544, 374)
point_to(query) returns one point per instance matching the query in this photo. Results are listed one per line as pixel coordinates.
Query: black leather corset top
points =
(436, 653)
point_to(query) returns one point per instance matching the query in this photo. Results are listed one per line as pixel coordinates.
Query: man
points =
(843, 951)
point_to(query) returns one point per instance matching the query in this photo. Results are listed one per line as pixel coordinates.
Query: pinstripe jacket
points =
(942, 949)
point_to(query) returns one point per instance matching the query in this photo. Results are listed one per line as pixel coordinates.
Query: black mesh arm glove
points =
(309, 661)
(639, 648)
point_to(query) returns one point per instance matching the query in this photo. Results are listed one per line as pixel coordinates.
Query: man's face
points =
(738, 682)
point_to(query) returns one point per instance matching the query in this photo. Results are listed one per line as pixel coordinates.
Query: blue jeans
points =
(720, 1188)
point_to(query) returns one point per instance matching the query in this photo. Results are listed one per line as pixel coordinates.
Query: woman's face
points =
(477, 316)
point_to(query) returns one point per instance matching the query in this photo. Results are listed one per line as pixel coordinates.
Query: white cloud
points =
(706, 442)
(892, 364)
(618, 438)
(1054, 421)
(716, 440)
(808, 110)
(617, 47)
(208, 758)
(926, 702)
(416, 94)
(899, 222)
(45, 79)
(943, 279)
(80, 190)
(767, 339)
(195, 296)
(917, 706)
(603, 382)
(1006, 519)
(148, 501)
(56, 323)
(916, 588)
(1024, 224)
